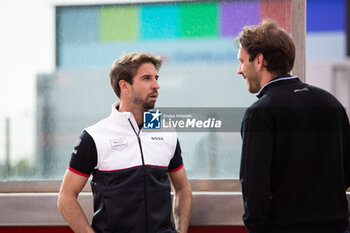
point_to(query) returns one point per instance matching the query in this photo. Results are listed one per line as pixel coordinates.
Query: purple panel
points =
(236, 15)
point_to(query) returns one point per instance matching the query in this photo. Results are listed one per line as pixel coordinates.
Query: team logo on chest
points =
(119, 143)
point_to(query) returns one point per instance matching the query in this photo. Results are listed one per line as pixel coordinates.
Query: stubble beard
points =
(146, 105)
(254, 86)
(253, 82)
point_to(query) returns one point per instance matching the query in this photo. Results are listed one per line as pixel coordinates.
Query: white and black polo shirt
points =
(130, 174)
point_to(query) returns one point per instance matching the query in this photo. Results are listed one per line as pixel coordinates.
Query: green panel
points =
(118, 23)
(199, 20)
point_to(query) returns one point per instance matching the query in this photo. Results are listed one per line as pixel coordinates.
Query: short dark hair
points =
(126, 67)
(274, 43)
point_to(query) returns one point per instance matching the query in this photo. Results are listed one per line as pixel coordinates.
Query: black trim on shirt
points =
(84, 155)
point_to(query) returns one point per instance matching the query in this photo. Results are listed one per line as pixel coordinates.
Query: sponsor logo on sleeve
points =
(75, 151)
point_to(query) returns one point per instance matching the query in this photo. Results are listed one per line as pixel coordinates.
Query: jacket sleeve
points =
(346, 158)
(257, 153)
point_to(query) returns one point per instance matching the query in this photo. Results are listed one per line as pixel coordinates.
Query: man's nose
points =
(155, 84)
(239, 70)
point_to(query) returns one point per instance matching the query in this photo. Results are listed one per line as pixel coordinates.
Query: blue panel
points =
(160, 22)
(326, 46)
(95, 54)
(325, 15)
(78, 25)
(92, 55)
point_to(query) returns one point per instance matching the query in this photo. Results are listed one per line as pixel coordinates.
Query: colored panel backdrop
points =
(111, 29)
(280, 11)
(235, 15)
(199, 20)
(160, 22)
(74, 22)
(182, 20)
(325, 15)
(119, 23)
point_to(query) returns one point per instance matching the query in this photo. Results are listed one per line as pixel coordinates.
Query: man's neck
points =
(267, 77)
(136, 112)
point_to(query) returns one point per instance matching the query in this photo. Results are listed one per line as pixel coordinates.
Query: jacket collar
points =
(123, 117)
(278, 79)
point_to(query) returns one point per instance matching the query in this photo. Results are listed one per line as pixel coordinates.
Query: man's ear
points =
(124, 86)
(260, 62)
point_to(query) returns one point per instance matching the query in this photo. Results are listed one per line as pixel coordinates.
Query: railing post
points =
(299, 36)
(7, 148)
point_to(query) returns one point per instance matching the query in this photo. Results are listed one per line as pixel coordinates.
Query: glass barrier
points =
(63, 86)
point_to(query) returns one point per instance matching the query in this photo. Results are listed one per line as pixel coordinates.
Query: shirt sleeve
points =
(84, 156)
(176, 162)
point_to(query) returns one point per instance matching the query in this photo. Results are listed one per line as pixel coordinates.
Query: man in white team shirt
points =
(129, 168)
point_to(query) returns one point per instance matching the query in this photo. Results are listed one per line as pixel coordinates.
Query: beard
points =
(253, 81)
(148, 105)
(253, 86)
(145, 103)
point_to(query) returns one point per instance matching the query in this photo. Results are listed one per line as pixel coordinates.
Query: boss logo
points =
(157, 138)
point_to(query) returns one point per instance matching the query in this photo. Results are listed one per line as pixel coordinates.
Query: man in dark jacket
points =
(295, 165)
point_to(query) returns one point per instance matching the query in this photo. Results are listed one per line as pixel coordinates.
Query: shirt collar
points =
(275, 80)
(123, 117)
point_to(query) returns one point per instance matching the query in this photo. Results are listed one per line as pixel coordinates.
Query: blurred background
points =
(55, 57)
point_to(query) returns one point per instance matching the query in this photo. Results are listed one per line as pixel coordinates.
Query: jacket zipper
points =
(144, 170)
